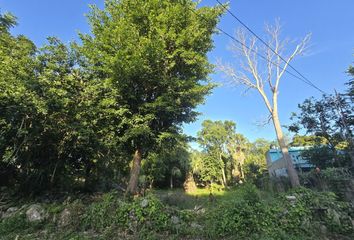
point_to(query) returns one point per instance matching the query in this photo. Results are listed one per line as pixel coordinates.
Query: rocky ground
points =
(236, 214)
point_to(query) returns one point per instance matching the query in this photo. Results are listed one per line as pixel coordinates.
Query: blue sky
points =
(332, 46)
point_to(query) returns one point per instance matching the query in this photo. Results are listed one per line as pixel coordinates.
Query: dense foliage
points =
(328, 123)
(242, 213)
(249, 216)
(227, 157)
(73, 115)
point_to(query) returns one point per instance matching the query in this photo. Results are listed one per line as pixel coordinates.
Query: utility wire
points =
(258, 54)
(268, 46)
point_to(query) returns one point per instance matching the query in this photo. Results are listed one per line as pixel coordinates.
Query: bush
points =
(325, 208)
(252, 216)
(241, 217)
(141, 214)
(15, 225)
(337, 180)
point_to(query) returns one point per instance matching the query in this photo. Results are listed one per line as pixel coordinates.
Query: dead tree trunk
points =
(294, 179)
(275, 66)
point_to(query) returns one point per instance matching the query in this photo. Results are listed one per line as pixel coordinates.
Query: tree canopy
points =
(71, 111)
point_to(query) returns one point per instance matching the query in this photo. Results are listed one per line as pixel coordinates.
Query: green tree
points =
(323, 121)
(215, 138)
(55, 126)
(169, 164)
(255, 162)
(16, 101)
(237, 147)
(152, 56)
(311, 140)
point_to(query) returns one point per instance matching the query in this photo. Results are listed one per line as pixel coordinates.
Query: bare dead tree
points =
(264, 75)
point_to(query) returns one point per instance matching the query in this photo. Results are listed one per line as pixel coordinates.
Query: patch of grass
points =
(201, 197)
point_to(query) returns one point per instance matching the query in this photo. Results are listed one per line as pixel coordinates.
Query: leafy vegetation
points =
(245, 212)
(91, 137)
(74, 115)
(329, 125)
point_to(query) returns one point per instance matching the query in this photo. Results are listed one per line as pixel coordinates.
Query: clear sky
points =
(332, 46)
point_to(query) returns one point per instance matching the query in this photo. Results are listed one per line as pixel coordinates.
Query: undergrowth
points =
(241, 213)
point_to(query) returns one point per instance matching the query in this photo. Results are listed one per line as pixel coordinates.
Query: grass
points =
(201, 196)
(182, 200)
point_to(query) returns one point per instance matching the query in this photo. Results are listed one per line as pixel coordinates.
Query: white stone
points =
(174, 219)
(64, 218)
(10, 212)
(35, 213)
(291, 198)
(144, 203)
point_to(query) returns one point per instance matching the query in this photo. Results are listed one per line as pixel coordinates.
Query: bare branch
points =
(263, 121)
(236, 77)
(251, 73)
(299, 50)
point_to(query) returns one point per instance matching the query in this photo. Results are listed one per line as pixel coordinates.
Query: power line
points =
(268, 46)
(258, 54)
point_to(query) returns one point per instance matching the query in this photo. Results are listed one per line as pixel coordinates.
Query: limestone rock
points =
(196, 226)
(175, 219)
(10, 212)
(35, 213)
(144, 203)
(64, 218)
(291, 199)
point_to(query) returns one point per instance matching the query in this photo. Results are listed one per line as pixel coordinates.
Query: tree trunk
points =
(151, 184)
(171, 181)
(294, 179)
(223, 177)
(132, 188)
(223, 171)
(241, 163)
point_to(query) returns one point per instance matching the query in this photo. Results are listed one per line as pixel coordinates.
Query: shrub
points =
(252, 216)
(337, 180)
(15, 225)
(324, 208)
(243, 217)
(146, 213)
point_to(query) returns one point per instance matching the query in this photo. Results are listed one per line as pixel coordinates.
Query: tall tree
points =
(266, 80)
(152, 56)
(53, 126)
(16, 101)
(214, 138)
(327, 120)
(237, 147)
(255, 162)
